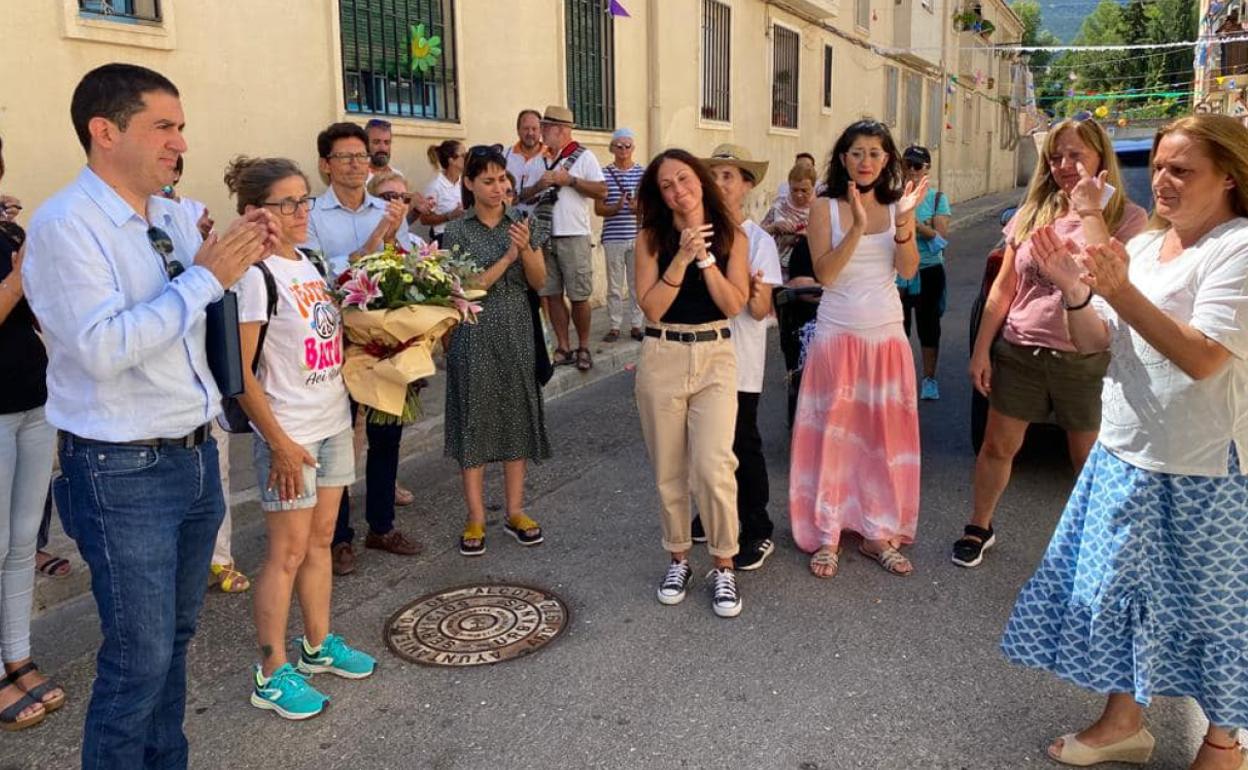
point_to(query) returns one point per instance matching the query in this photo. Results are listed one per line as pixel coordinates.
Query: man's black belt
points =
(672, 335)
(189, 441)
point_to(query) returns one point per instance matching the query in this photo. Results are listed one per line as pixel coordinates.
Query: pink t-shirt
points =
(1036, 316)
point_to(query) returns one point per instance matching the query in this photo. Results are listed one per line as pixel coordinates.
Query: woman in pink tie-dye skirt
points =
(855, 450)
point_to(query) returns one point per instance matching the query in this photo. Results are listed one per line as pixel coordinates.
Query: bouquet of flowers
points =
(395, 305)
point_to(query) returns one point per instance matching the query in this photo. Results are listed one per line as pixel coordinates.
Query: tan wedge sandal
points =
(1135, 749)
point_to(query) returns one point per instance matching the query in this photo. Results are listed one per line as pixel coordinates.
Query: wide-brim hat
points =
(735, 155)
(559, 115)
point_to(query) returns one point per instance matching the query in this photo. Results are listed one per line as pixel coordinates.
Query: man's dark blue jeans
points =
(145, 519)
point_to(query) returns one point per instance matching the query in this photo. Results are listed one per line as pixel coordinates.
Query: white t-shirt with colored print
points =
(300, 366)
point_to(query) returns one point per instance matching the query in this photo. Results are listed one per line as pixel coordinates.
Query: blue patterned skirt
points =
(1144, 589)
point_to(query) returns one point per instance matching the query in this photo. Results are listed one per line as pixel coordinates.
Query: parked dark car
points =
(1133, 158)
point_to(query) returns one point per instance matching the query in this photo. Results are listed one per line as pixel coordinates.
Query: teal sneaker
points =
(287, 693)
(335, 657)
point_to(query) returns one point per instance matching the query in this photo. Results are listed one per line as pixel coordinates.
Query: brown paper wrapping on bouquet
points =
(382, 382)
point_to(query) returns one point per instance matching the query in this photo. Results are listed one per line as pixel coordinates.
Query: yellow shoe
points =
(523, 529)
(472, 542)
(228, 579)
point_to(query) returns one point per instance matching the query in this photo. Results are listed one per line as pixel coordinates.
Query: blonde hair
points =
(378, 180)
(1225, 140)
(1045, 201)
(803, 172)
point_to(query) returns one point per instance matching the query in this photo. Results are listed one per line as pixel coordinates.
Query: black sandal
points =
(39, 691)
(584, 362)
(969, 550)
(9, 717)
(562, 358)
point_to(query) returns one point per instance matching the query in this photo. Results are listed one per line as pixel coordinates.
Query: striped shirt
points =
(622, 226)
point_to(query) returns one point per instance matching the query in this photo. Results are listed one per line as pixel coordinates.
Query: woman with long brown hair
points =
(692, 265)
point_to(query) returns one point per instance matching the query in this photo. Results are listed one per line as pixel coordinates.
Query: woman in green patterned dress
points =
(494, 409)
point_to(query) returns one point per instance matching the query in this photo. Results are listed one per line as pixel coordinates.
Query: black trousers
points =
(926, 306)
(381, 468)
(752, 489)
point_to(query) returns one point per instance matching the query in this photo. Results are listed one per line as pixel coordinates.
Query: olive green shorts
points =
(1030, 383)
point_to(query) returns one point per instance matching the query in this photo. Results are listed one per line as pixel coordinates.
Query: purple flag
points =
(618, 10)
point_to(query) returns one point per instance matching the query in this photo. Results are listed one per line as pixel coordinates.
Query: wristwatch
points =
(705, 263)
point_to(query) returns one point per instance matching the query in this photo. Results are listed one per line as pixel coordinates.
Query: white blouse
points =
(1155, 416)
(446, 198)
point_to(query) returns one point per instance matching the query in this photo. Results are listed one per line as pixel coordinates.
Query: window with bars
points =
(716, 60)
(590, 30)
(827, 77)
(785, 50)
(862, 14)
(935, 114)
(912, 121)
(122, 10)
(891, 88)
(391, 64)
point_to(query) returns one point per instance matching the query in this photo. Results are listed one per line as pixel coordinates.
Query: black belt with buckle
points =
(189, 441)
(671, 335)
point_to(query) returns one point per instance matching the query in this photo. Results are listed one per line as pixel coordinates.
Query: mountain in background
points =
(1063, 17)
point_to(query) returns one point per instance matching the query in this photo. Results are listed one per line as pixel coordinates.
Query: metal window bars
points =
(590, 31)
(378, 46)
(784, 77)
(122, 10)
(716, 61)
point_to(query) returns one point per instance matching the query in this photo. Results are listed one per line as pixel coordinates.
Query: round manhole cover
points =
(476, 625)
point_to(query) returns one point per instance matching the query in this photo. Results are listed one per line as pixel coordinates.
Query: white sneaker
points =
(725, 598)
(675, 582)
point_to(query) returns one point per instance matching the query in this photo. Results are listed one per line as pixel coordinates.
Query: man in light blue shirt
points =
(345, 224)
(119, 280)
(346, 221)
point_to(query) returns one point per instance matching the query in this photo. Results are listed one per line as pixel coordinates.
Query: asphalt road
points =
(866, 670)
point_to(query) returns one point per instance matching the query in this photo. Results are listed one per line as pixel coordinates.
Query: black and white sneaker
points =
(699, 534)
(675, 582)
(752, 555)
(725, 597)
(969, 550)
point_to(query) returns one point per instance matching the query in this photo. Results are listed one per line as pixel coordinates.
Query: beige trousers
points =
(221, 551)
(687, 397)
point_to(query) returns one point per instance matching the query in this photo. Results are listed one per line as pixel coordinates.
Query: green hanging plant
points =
(425, 50)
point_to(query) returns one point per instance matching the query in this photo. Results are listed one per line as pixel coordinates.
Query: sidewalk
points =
(425, 435)
(421, 437)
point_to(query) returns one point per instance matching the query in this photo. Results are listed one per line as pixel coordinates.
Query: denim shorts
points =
(335, 456)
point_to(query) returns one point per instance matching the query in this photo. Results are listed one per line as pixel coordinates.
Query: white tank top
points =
(864, 295)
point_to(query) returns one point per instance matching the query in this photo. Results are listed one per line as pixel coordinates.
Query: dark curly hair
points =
(887, 187)
(657, 221)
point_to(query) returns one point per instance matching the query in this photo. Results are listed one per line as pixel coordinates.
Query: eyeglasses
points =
(163, 245)
(348, 157)
(395, 195)
(289, 206)
(481, 150)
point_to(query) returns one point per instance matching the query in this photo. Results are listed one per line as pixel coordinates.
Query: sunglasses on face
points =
(622, 147)
(395, 195)
(911, 165)
(163, 245)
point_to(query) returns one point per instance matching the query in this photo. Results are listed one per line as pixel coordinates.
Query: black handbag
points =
(233, 419)
(224, 347)
(543, 370)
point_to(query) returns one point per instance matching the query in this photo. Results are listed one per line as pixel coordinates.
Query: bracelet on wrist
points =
(907, 239)
(1080, 306)
(1088, 212)
(663, 278)
(705, 263)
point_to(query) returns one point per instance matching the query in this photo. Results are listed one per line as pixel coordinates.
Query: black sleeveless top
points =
(693, 303)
